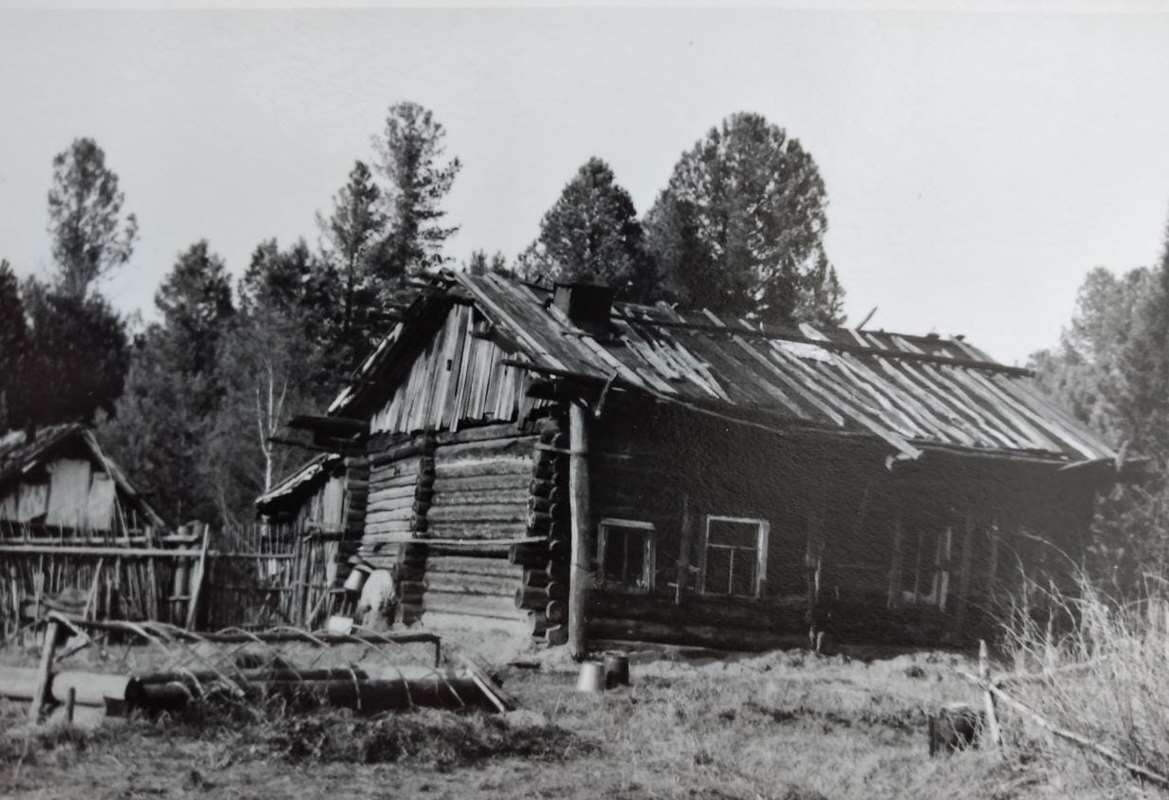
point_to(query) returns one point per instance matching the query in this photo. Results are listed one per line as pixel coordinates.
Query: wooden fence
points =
(249, 577)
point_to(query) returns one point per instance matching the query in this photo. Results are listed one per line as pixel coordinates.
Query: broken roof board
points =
(910, 392)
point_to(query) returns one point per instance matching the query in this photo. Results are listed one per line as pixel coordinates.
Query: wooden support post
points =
(44, 671)
(70, 702)
(581, 574)
(687, 537)
(895, 569)
(992, 721)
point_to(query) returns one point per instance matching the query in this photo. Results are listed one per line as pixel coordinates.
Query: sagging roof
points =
(911, 392)
(21, 454)
(302, 477)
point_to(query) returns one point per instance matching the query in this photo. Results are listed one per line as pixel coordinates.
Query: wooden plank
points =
(1029, 394)
(794, 385)
(842, 398)
(518, 330)
(941, 390)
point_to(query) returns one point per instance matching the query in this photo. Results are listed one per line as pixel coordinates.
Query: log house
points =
(550, 463)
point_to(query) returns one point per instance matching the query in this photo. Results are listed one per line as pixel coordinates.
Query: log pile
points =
(408, 687)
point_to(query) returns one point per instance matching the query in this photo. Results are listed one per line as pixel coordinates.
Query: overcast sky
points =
(977, 165)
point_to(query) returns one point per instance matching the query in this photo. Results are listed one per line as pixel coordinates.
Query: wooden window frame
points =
(762, 537)
(938, 571)
(649, 554)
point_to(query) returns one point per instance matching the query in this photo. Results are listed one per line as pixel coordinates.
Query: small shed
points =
(313, 495)
(553, 463)
(57, 479)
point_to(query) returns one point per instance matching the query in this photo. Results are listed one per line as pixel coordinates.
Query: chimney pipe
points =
(587, 304)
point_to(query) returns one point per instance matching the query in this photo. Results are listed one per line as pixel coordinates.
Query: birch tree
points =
(275, 365)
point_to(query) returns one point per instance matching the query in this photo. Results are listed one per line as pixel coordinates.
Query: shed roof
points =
(303, 476)
(911, 392)
(20, 453)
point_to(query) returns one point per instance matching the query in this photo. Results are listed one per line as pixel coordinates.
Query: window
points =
(625, 550)
(735, 556)
(925, 565)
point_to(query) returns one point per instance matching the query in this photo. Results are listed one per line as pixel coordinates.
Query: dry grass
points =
(1099, 668)
(782, 725)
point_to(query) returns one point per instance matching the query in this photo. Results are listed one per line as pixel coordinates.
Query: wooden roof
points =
(910, 392)
(304, 477)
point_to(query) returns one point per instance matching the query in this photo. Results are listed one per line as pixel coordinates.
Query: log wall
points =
(465, 519)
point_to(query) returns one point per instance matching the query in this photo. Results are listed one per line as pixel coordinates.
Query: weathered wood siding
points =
(69, 493)
(457, 379)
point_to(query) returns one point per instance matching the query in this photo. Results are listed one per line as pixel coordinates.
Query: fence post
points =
(992, 722)
(197, 583)
(44, 671)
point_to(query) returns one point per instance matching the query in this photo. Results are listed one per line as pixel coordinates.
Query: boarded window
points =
(68, 493)
(735, 557)
(625, 550)
(99, 510)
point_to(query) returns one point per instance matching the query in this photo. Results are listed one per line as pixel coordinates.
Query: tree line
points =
(190, 403)
(1111, 368)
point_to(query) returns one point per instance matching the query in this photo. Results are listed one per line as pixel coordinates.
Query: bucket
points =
(592, 677)
(339, 625)
(616, 670)
(355, 580)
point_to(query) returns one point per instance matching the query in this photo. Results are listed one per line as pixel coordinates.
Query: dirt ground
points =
(784, 725)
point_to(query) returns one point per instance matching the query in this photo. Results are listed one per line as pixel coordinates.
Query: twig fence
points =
(250, 577)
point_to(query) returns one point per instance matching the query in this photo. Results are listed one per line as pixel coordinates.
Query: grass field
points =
(781, 725)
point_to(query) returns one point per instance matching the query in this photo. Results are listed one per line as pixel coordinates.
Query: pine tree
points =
(592, 231)
(76, 360)
(90, 238)
(481, 264)
(195, 303)
(739, 228)
(163, 422)
(355, 234)
(418, 178)
(13, 338)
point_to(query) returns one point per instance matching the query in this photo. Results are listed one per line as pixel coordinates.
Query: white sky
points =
(977, 164)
